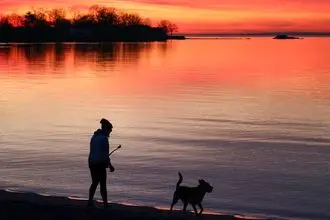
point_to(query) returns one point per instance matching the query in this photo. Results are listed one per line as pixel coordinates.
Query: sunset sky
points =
(209, 16)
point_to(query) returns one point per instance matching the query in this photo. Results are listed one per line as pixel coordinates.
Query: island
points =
(98, 24)
(285, 37)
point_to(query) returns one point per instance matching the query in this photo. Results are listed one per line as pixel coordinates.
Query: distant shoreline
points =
(163, 38)
(230, 35)
(138, 33)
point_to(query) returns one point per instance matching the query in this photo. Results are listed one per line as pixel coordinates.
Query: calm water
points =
(252, 117)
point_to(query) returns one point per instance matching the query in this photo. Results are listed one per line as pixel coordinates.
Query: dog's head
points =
(205, 186)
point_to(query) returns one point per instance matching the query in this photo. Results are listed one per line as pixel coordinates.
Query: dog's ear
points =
(200, 181)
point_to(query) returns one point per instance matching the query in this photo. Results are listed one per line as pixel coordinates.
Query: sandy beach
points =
(20, 206)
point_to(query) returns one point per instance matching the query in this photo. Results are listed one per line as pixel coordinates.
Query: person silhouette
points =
(99, 160)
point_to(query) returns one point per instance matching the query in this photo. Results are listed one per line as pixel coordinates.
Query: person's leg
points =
(103, 186)
(95, 181)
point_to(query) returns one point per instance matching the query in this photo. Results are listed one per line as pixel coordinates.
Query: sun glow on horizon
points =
(208, 15)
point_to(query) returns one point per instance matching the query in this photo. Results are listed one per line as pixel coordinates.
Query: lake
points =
(250, 116)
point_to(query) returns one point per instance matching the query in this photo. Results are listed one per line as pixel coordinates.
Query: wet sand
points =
(20, 206)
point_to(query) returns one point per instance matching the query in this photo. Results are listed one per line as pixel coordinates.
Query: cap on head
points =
(105, 124)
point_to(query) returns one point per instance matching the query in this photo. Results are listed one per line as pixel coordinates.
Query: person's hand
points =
(112, 169)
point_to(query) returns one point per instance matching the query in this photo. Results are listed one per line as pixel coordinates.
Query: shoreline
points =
(120, 40)
(21, 205)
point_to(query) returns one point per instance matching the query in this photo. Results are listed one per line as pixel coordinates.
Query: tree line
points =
(98, 23)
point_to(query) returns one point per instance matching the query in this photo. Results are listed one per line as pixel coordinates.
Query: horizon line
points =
(256, 33)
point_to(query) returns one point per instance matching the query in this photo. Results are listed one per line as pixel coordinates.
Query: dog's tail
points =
(180, 180)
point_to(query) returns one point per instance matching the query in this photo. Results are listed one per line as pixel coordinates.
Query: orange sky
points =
(210, 15)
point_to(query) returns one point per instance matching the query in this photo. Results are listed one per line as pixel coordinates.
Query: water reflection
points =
(38, 58)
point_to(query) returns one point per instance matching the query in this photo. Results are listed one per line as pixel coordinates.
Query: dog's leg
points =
(175, 200)
(201, 207)
(185, 204)
(194, 206)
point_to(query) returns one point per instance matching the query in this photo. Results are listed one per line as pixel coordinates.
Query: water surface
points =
(249, 116)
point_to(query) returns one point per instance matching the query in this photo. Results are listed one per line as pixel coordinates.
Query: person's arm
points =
(112, 169)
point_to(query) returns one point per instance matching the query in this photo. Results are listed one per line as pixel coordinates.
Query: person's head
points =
(106, 126)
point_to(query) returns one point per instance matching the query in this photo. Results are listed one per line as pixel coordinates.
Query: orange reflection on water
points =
(150, 68)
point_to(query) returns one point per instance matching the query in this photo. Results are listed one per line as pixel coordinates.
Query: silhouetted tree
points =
(5, 22)
(35, 20)
(74, 14)
(84, 21)
(106, 16)
(57, 18)
(30, 20)
(92, 10)
(147, 22)
(5, 27)
(42, 18)
(98, 24)
(16, 20)
(168, 26)
(128, 19)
